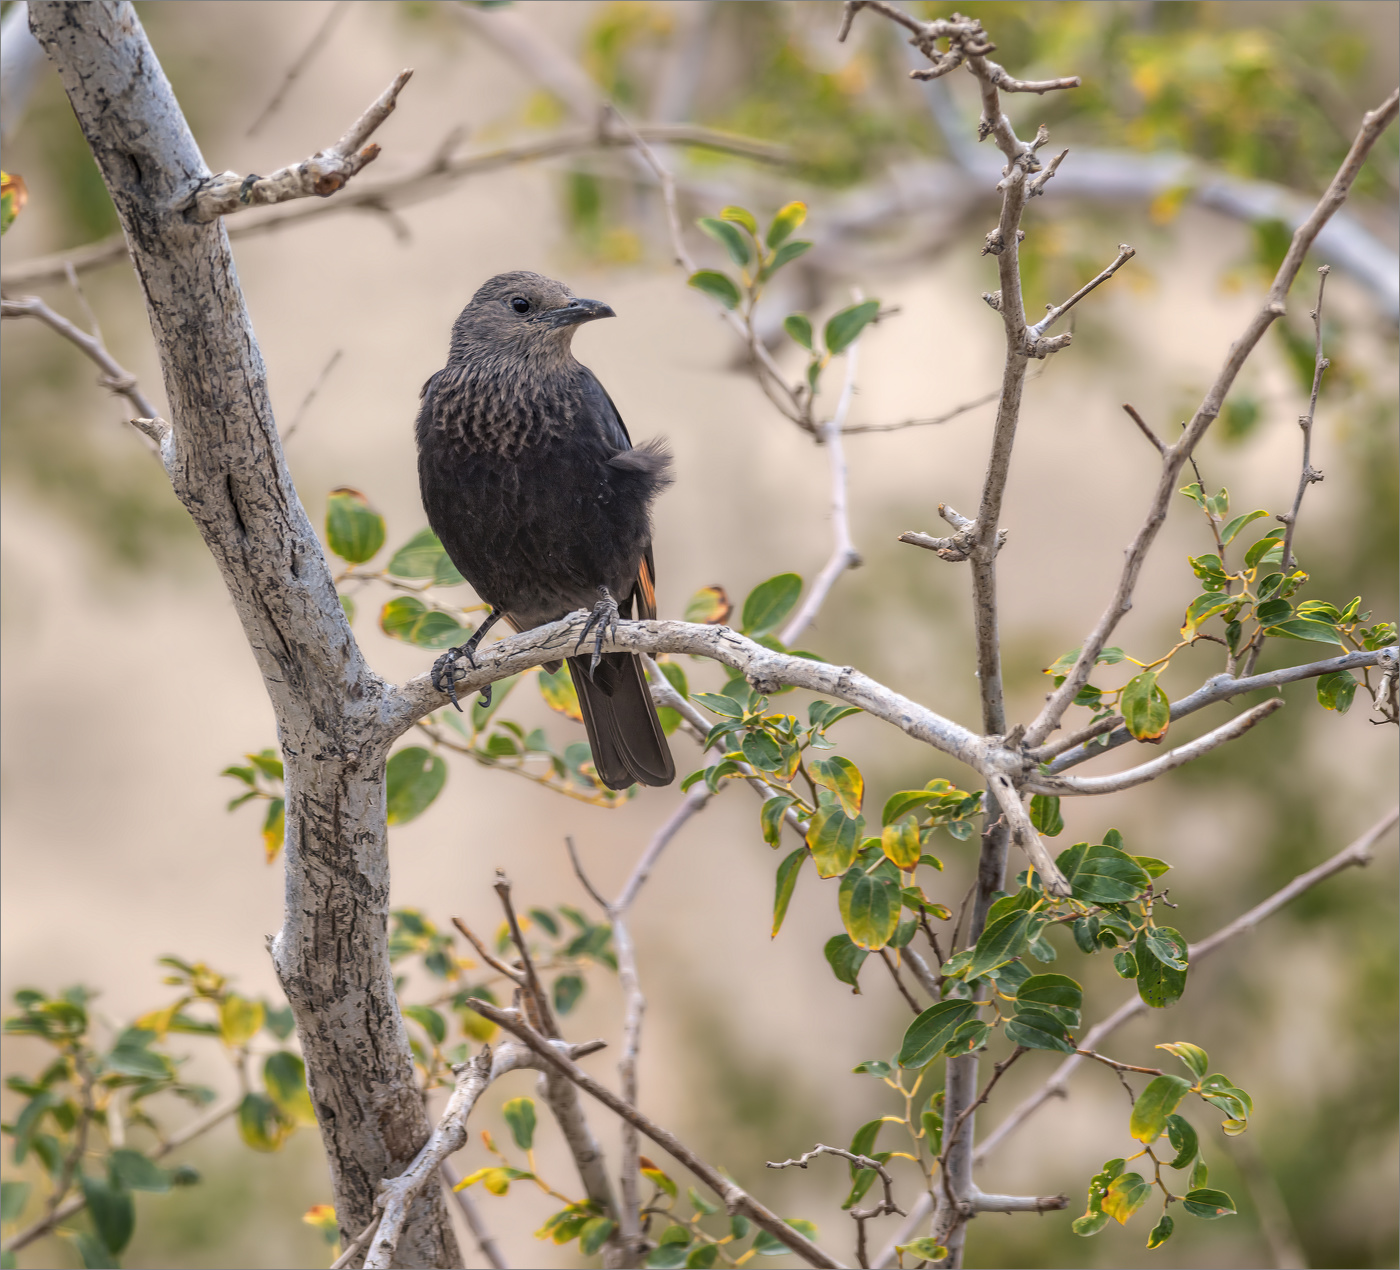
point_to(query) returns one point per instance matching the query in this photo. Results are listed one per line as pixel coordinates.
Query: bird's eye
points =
(520, 304)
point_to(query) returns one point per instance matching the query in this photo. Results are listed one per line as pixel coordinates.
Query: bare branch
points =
(1358, 853)
(694, 800)
(1056, 312)
(1157, 443)
(898, 982)
(311, 395)
(735, 1199)
(1026, 837)
(843, 553)
(1073, 750)
(853, 428)
(536, 998)
(517, 977)
(1374, 124)
(317, 42)
(582, 876)
(985, 1203)
(1309, 474)
(1145, 772)
(320, 176)
(860, 1216)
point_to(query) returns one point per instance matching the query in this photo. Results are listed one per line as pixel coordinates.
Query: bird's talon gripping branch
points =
(448, 662)
(605, 618)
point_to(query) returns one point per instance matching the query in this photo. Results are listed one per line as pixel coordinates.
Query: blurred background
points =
(127, 686)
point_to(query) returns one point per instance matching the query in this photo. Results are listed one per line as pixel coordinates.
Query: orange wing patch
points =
(647, 589)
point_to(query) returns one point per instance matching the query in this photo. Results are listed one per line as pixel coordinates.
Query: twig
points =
(582, 876)
(1309, 474)
(1115, 1064)
(898, 982)
(694, 800)
(311, 395)
(1071, 750)
(540, 1011)
(852, 428)
(951, 1133)
(515, 976)
(114, 376)
(860, 1216)
(1026, 837)
(76, 1203)
(736, 1200)
(1145, 772)
(1055, 312)
(437, 173)
(1157, 443)
(466, 1205)
(320, 176)
(1358, 853)
(1373, 125)
(358, 1244)
(843, 552)
(317, 42)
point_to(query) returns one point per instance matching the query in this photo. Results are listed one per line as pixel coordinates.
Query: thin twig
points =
(540, 1011)
(485, 1241)
(1056, 312)
(1157, 443)
(317, 42)
(852, 428)
(1309, 474)
(898, 982)
(1116, 1065)
(311, 395)
(736, 1200)
(515, 975)
(582, 876)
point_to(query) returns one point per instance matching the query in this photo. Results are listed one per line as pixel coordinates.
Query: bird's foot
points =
(445, 673)
(604, 618)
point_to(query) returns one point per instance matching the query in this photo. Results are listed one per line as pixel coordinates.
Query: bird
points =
(538, 496)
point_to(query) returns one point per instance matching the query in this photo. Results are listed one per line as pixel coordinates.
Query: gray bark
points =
(225, 463)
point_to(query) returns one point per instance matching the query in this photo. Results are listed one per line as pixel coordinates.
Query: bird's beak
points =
(577, 311)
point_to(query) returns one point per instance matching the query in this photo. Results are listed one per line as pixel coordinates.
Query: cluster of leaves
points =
(87, 1118)
(1116, 1194)
(681, 1241)
(759, 256)
(567, 946)
(1253, 602)
(13, 196)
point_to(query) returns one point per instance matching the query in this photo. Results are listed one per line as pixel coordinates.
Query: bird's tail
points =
(623, 730)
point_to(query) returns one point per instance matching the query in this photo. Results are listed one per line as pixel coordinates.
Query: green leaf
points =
(788, 219)
(131, 1057)
(739, 1226)
(354, 530)
(741, 216)
(1090, 1223)
(1169, 951)
(1227, 535)
(137, 1172)
(766, 1245)
(769, 603)
(845, 327)
(786, 883)
(594, 1235)
(13, 1196)
(1335, 691)
(1208, 1204)
(1154, 1105)
(900, 844)
(1125, 1195)
(787, 253)
(924, 1249)
(414, 777)
(703, 1255)
(1002, 940)
(843, 778)
(567, 990)
(1185, 1143)
(112, 1211)
(423, 556)
(284, 1078)
(1053, 990)
(1045, 815)
(412, 621)
(932, 1030)
(870, 907)
(716, 285)
(274, 828)
(1159, 984)
(1306, 628)
(833, 837)
(799, 326)
(872, 1067)
(239, 1019)
(1195, 1058)
(1102, 874)
(729, 238)
(1038, 1030)
(1144, 707)
(762, 752)
(429, 1020)
(520, 1116)
(1161, 1232)
(1268, 550)
(261, 1123)
(666, 1257)
(1125, 964)
(771, 818)
(1202, 607)
(1153, 867)
(845, 959)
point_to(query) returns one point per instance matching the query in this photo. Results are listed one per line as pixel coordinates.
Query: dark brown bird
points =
(534, 488)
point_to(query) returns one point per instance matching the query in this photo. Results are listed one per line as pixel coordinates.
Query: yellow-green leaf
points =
(239, 1019)
(1125, 1195)
(559, 693)
(1144, 707)
(1154, 1105)
(843, 778)
(870, 907)
(900, 844)
(284, 1078)
(788, 219)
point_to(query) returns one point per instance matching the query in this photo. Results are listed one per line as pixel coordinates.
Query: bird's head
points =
(521, 313)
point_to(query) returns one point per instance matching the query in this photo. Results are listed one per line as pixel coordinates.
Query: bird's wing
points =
(606, 412)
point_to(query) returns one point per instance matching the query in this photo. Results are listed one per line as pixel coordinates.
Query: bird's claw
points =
(605, 618)
(446, 664)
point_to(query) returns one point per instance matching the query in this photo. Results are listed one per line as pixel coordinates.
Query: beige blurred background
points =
(127, 685)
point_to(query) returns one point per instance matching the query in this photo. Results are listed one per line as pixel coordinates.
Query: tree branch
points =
(485, 1241)
(735, 1199)
(1176, 455)
(1145, 772)
(320, 176)
(1309, 474)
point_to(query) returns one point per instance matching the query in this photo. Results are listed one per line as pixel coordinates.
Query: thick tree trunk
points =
(225, 463)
